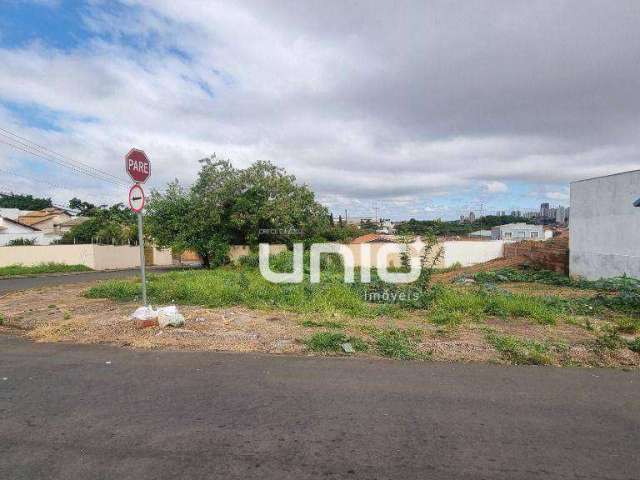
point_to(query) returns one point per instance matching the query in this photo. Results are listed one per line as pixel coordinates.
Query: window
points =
(534, 234)
(507, 235)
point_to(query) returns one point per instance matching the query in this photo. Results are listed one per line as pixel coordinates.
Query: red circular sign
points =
(136, 198)
(137, 165)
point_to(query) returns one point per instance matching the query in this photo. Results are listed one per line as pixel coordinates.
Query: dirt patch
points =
(491, 265)
(63, 314)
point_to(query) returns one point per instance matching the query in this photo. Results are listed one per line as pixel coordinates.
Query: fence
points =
(106, 257)
(97, 257)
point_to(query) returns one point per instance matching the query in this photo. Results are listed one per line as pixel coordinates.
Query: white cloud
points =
(496, 187)
(374, 102)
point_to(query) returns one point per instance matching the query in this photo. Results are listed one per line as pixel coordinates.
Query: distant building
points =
(12, 213)
(67, 225)
(605, 227)
(45, 220)
(386, 226)
(544, 210)
(481, 234)
(560, 215)
(518, 231)
(358, 221)
(373, 238)
(14, 230)
(472, 217)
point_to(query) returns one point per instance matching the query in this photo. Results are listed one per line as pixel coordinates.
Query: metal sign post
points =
(142, 262)
(138, 167)
(136, 202)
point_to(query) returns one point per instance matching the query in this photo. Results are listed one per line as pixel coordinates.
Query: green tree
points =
(228, 206)
(23, 202)
(113, 225)
(84, 208)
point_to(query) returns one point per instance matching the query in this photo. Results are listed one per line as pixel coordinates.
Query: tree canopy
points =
(439, 227)
(229, 206)
(23, 202)
(112, 225)
(83, 208)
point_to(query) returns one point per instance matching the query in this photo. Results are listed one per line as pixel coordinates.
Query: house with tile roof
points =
(13, 230)
(46, 220)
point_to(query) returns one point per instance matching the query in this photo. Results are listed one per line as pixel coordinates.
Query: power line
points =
(48, 151)
(25, 145)
(37, 180)
(61, 164)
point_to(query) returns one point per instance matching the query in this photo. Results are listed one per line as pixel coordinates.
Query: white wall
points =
(109, 257)
(471, 252)
(463, 252)
(28, 256)
(97, 257)
(6, 237)
(604, 227)
(162, 257)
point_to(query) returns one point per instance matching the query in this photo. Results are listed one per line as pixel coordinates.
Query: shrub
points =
(16, 242)
(634, 345)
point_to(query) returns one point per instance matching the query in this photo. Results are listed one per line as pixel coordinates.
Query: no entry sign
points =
(136, 198)
(137, 165)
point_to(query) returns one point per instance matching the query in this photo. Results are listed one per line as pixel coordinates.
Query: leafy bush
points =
(22, 242)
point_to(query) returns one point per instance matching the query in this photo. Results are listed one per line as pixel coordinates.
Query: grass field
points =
(522, 326)
(13, 270)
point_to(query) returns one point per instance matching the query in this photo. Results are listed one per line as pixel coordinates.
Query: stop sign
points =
(137, 165)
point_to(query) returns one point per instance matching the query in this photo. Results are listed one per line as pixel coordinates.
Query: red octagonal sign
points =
(137, 165)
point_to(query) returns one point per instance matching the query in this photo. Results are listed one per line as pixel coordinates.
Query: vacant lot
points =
(512, 316)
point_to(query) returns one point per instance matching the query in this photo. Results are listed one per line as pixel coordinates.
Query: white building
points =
(481, 234)
(518, 231)
(12, 230)
(13, 213)
(604, 238)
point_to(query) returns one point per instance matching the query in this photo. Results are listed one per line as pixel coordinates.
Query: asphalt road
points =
(69, 411)
(22, 283)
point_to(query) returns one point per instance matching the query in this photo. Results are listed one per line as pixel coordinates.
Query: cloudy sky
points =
(421, 108)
